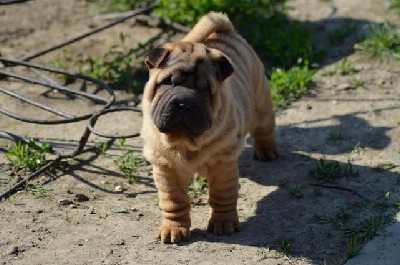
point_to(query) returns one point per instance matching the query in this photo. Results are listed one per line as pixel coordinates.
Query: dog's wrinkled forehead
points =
(191, 53)
(170, 53)
(185, 58)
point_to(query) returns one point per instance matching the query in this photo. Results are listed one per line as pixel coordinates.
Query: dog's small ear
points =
(156, 57)
(224, 68)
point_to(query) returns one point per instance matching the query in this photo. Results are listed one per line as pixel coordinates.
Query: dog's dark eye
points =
(167, 81)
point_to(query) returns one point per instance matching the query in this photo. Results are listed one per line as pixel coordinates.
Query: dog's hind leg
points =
(264, 141)
(263, 126)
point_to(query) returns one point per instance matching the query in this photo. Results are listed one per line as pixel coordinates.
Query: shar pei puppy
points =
(205, 93)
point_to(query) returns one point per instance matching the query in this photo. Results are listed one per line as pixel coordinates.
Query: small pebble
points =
(65, 202)
(121, 210)
(343, 86)
(91, 210)
(121, 243)
(140, 215)
(80, 197)
(13, 250)
(7, 167)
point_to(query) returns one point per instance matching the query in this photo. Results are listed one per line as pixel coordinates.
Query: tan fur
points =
(240, 105)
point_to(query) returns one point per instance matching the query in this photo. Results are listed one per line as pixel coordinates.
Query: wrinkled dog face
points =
(188, 76)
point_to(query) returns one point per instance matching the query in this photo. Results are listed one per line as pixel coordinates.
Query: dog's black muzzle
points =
(181, 109)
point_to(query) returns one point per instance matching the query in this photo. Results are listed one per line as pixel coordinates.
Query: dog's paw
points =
(173, 234)
(265, 154)
(223, 227)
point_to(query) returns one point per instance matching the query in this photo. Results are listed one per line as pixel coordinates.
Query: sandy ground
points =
(278, 202)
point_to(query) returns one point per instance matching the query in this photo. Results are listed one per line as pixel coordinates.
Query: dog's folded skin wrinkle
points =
(204, 95)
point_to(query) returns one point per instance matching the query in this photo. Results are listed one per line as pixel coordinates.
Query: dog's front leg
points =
(223, 182)
(175, 203)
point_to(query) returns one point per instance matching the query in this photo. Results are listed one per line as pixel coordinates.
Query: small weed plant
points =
(197, 187)
(345, 68)
(352, 248)
(368, 228)
(387, 166)
(129, 162)
(331, 171)
(387, 202)
(116, 67)
(290, 84)
(284, 248)
(30, 155)
(357, 82)
(39, 191)
(383, 42)
(297, 191)
(63, 62)
(395, 5)
(337, 220)
(356, 152)
(335, 136)
(103, 149)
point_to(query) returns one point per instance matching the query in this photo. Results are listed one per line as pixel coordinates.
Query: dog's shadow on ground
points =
(284, 215)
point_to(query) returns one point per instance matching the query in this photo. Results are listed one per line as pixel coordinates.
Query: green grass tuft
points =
(297, 191)
(387, 165)
(352, 248)
(368, 228)
(290, 84)
(346, 68)
(395, 4)
(197, 187)
(383, 42)
(116, 67)
(331, 171)
(39, 191)
(30, 155)
(129, 162)
(284, 248)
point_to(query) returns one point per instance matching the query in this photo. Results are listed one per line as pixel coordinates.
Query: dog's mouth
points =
(181, 111)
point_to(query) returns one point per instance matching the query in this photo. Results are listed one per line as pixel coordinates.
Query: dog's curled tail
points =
(213, 22)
